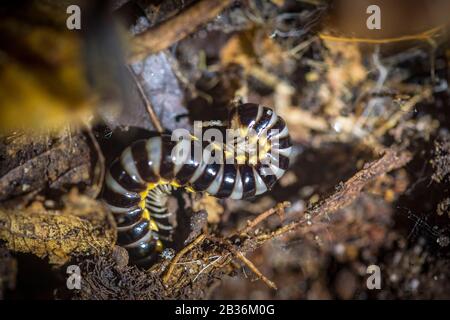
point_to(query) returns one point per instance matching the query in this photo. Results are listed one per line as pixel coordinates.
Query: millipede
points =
(139, 182)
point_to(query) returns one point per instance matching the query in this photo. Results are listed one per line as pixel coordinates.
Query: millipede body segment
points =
(139, 182)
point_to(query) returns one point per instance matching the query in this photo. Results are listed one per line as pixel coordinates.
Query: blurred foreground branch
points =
(427, 35)
(167, 33)
(348, 191)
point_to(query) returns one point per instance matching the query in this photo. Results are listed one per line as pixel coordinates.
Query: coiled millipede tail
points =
(138, 183)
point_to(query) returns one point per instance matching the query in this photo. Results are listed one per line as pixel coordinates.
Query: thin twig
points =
(425, 36)
(251, 266)
(167, 33)
(255, 270)
(279, 208)
(180, 254)
(239, 255)
(99, 170)
(148, 105)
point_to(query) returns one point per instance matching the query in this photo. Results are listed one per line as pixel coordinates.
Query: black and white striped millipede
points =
(138, 182)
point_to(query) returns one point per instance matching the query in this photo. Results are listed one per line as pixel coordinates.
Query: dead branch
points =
(167, 33)
(349, 190)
